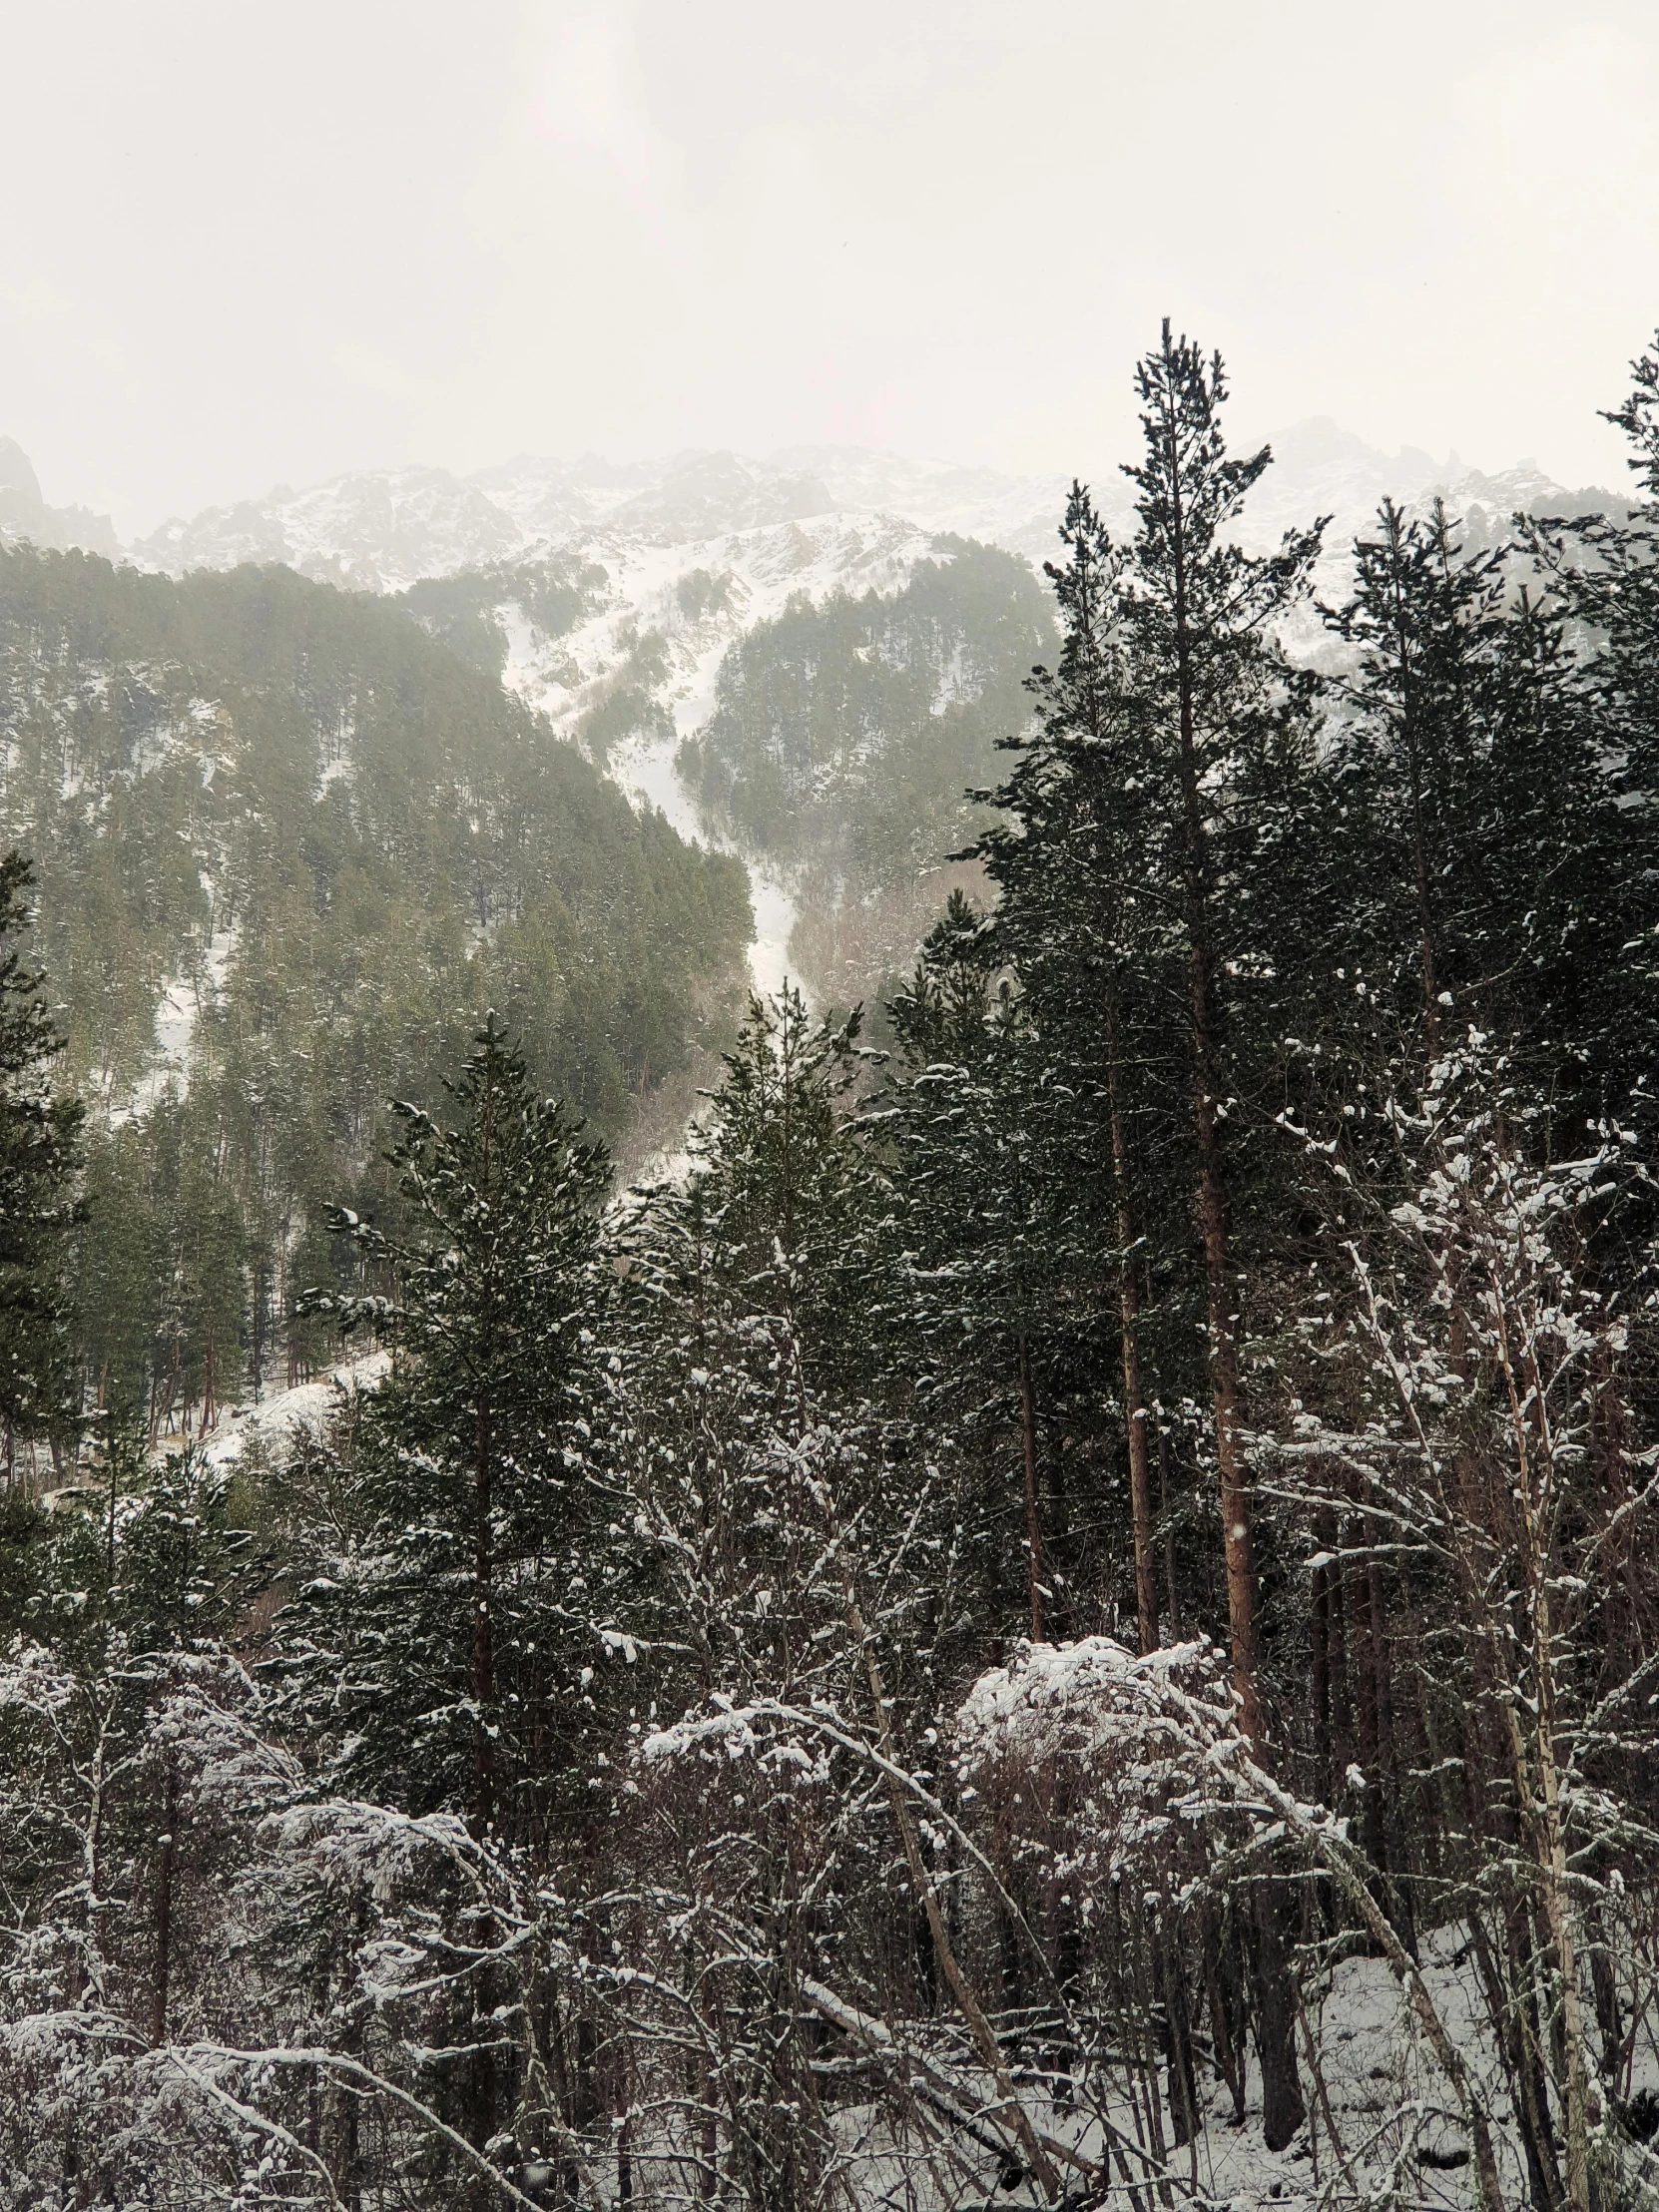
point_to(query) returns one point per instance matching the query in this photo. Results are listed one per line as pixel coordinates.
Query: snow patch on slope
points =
(183, 1000)
(305, 1410)
(699, 596)
(698, 547)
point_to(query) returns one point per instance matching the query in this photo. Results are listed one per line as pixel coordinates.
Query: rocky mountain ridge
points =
(25, 514)
(383, 530)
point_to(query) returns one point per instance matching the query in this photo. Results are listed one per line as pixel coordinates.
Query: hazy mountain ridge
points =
(25, 514)
(385, 529)
(364, 831)
(377, 531)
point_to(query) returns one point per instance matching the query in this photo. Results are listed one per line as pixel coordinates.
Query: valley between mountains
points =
(830, 1336)
(608, 598)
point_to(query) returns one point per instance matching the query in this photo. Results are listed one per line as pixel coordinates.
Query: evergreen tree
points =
(714, 1617)
(1171, 734)
(39, 1162)
(782, 1182)
(1211, 690)
(1182, 659)
(477, 1562)
(1604, 950)
(1083, 921)
(986, 1236)
(1480, 843)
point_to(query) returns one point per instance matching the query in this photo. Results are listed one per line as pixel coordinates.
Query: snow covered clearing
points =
(281, 1418)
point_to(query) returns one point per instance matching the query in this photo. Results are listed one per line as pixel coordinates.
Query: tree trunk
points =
(1237, 1537)
(1282, 2110)
(1178, 2036)
(1009, 2105)
(1223, 1993)
(1129, 1318)
(482, 1668)
(1172, 1609)
(1526, 2060)
(1419, 845)
(1393, 1792)
(1028, 1454)
(1281, 2106)
(1325, 1763)
(1238, 1541)
(1342, 1686)
(166, 1851)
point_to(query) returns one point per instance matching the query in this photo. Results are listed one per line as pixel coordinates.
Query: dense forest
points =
(324, 845)
(1068, 1617)
(847, 742)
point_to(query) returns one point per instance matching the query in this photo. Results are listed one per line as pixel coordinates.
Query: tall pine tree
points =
(39, 1164)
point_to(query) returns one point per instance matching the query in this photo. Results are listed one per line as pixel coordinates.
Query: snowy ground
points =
(183, 1000)
(1402, 2140)
(278, 1414)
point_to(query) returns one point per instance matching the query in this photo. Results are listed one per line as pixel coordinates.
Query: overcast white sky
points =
(244, 243)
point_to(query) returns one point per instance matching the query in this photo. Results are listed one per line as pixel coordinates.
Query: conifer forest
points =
(1041, 1591)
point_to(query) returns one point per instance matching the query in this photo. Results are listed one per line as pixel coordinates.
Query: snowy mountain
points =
(383, 530)
(680, 555)
(671, 560)
(372, 532)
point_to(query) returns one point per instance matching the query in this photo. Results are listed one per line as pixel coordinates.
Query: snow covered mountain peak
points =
(373, 531)
(385, 529)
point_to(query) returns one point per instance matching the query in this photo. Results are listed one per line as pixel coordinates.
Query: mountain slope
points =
(289, 848)
(252, 753)
(606, 595)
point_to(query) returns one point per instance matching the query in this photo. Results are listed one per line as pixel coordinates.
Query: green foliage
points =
(1193, 1262)
(1482, 863)
(334, 843)
(38, 1157)
(697, 594)
(1604, 570)
(780, 1181)
(135, 1557)
(629, 707)
(850, 732)
(463, 612)
(449, 1626)
(626, 712)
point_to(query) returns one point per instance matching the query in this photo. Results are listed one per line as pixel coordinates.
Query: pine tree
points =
(1424, 620)
(1482, 844)
(1198, 615)
(782, 1181)
(1604, 945)
(478, 1561)
(1204, 729)
(39, 1205)
(984, 1234)
(1079, 919)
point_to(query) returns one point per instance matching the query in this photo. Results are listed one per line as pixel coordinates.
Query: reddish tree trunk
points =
(1282, 2110)
(166, 1852)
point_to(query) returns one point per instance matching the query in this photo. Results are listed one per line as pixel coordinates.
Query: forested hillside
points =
(848, 736)
(288, 849)
(1068, 1616)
